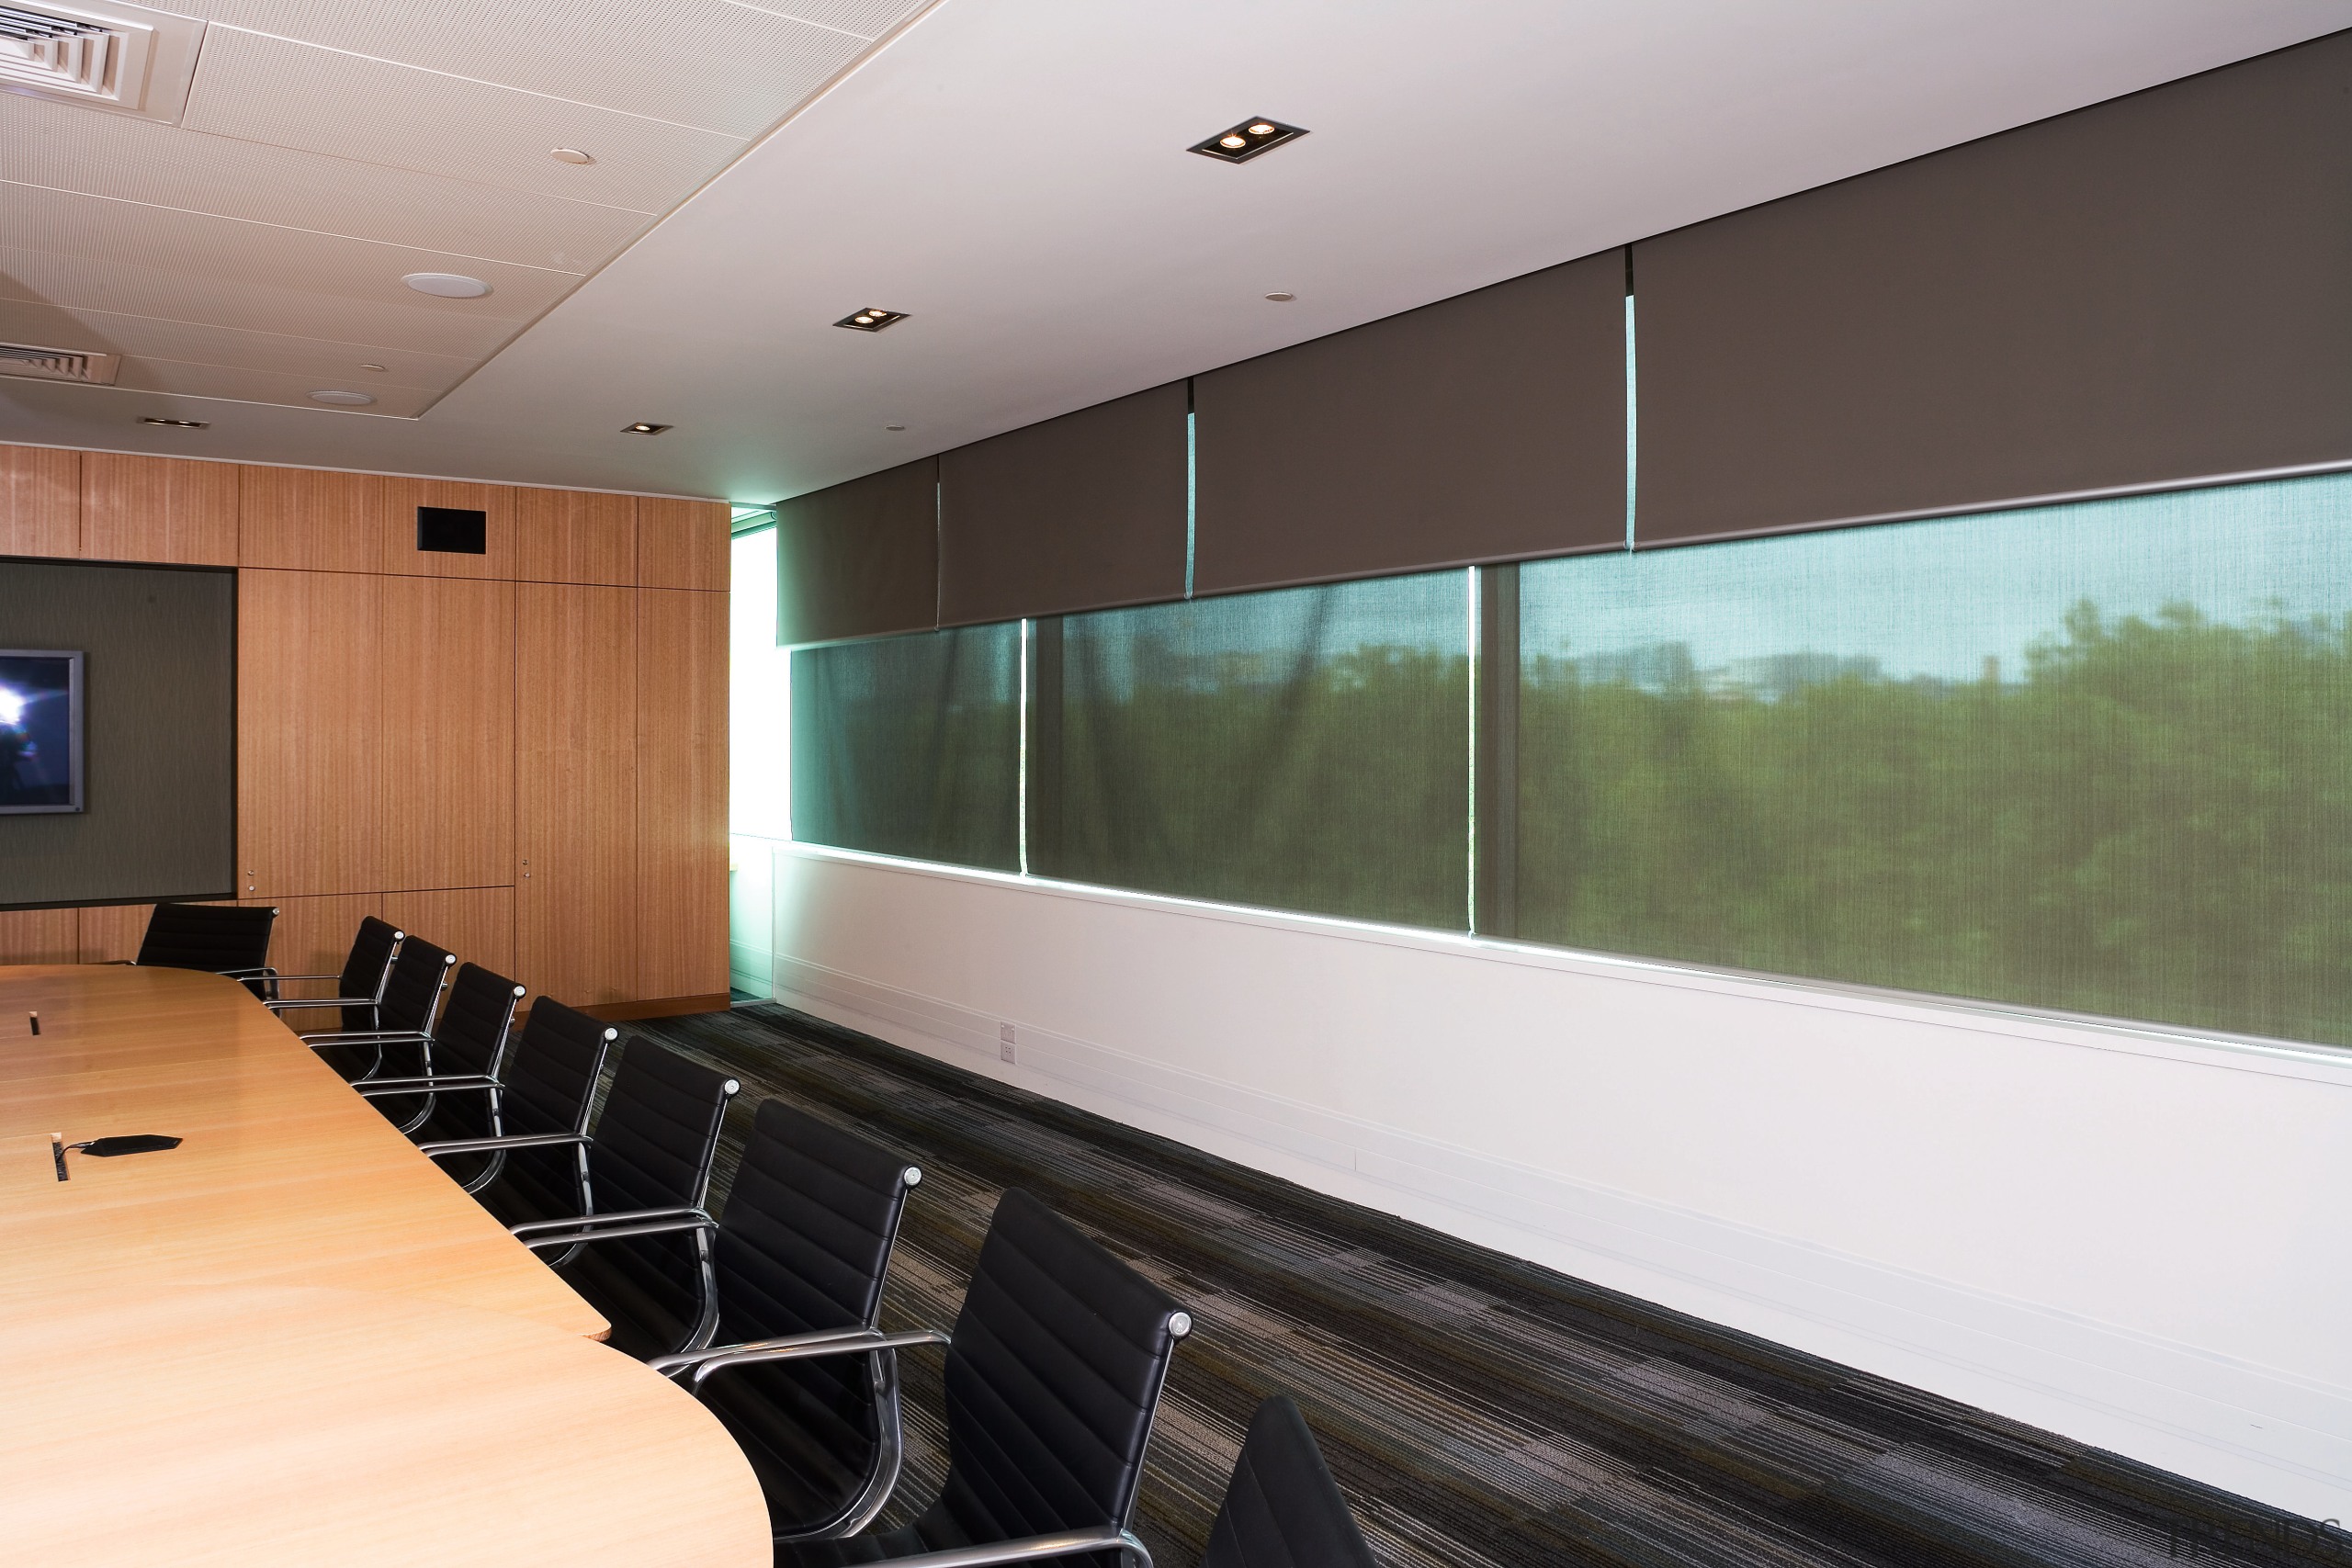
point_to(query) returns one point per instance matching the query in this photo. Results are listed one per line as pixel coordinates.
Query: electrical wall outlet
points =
(1004, 1034)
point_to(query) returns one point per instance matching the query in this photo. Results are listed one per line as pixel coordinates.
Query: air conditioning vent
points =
(99, 54)
(58, 363)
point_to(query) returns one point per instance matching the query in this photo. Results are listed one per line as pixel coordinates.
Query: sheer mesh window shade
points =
(2149, 290)
(1484, 427)
(1080, 512)
(910, 746)
(2090, 758)
(1302, 749)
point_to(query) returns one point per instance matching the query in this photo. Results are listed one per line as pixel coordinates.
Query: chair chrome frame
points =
(882, 1478)
(277, 1004)
(432, 1083)
(500, 1142)
(379, 1037)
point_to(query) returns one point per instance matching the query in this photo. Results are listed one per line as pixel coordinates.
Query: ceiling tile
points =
(146, 337)
(247, 302)
(66, 148)
(291, 95)
(265, 387)
(699, 62)
(197, 245)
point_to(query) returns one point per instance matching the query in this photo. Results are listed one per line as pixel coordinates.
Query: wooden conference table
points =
(292, 1339)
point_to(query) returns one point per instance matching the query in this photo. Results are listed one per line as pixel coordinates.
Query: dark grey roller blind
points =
(860, 558)
(2148, 290)
(1080, 512)
(1484, 427)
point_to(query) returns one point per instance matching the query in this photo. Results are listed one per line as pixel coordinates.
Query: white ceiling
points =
(1010, 173)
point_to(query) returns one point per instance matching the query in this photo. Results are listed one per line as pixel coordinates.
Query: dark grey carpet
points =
(1476, 1409)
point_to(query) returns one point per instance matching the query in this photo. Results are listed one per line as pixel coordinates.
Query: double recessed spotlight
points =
(872, 319)
(1246, 140)
(174, 423)
(643, 427)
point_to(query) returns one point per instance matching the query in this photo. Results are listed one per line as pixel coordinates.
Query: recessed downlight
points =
(872, 319)
(643, 427)
(1282, 297)
(1244, 141)
(447, 285)
(342, 398)
(174, 423)
(571, 156)
(374, 368)
(894, 427)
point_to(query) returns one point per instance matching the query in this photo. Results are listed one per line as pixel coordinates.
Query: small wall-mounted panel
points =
(453, 530)
(402, 531)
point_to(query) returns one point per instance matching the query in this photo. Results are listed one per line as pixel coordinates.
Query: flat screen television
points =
(40, 731)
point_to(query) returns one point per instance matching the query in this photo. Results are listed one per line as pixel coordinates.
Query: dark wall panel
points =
(2148, 290)
(1484, 428)
(860, 558)
(1080, 512)
(160, 759)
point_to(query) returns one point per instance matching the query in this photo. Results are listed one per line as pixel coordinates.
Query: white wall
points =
(2136, 1239)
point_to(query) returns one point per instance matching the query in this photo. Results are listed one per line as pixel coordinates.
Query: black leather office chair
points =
(1282, 1509)
(465, 1048)
(649, 1158)
(800, 1248)
(1053, 1374)
(538, 1109)
(220, 939)
(404, 1018)
(359, 989)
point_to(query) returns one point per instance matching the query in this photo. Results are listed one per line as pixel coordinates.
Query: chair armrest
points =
(803, 1347)
(616, 1233)
(485, 1146)
(374, 1088)
(860, 1337)
(317, 1001)
(1032, 1549)
(617, 1217)
(362, 1037)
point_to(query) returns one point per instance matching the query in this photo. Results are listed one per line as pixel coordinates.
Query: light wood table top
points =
(273, 1426)
(286, 1177)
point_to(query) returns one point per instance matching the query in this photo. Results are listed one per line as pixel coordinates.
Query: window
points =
(910, 746)
(2091, 758)
(1305, 748)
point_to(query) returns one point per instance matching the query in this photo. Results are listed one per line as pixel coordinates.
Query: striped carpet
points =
(1476, 1409)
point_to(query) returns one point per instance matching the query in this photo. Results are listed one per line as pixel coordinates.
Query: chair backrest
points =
(211, 937)
(1282, 1509)
(659, 1133)
(471, 1036)
(803, 1245)
(550, 1076)
(414, 991)
(806, 1236)
(367, 969)
(1051, 1382)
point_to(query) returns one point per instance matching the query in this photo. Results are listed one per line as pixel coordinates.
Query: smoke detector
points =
(99, 54)
(58, 363)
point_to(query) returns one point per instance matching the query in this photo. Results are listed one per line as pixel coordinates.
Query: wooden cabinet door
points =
(681, 795)
(576, 924)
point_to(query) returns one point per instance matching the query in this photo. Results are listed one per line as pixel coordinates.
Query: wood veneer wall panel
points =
(400, 555)
(310, 680)
(159, 509)
(309, 519)
(107, 932)
(570, 535)
(681, 793)
(39, 936)
(475, 923)
(312, 936)
(682, 544)
(575, 791)
(444, 756)
(40, 502)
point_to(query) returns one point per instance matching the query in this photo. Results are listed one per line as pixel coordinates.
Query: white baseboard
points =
(2255, 1430)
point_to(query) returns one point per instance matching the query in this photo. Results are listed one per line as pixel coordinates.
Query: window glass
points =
(1305, 748)
(910, 746)
(2095, 758)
